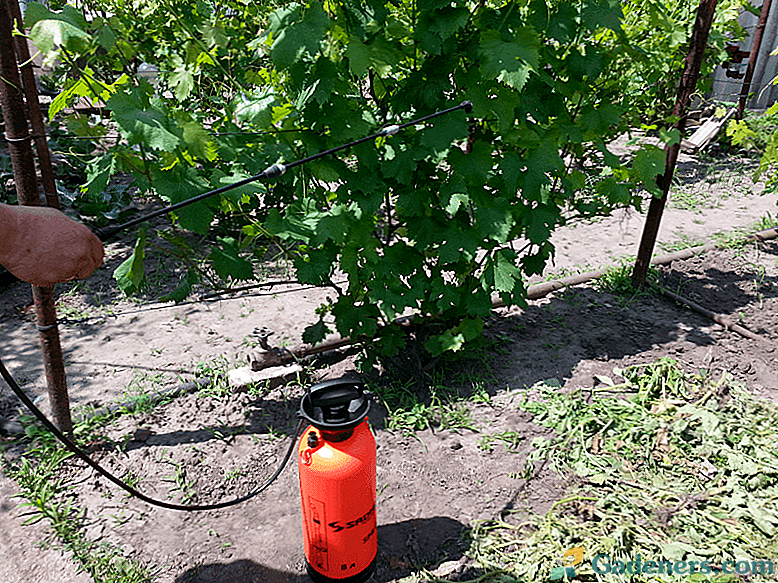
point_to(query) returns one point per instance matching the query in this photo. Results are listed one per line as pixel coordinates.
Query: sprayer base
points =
(360, 577)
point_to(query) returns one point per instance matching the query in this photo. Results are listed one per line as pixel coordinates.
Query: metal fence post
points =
(757, 44)
(18, 136)
(34, 107)
(686, 87)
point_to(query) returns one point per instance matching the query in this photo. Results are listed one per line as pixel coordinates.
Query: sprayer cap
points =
(336, 405)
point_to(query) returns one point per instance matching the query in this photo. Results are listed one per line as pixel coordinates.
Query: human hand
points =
(43, 246)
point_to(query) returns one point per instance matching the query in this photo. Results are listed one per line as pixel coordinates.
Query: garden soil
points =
(432, 485)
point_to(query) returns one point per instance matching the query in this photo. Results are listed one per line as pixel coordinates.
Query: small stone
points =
(141, 434)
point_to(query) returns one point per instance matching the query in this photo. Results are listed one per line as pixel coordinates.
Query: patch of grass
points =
(689, 199)
(730, 239)
(139, 392)
(216, 370)
(681, 243)
(671, 466)
(618, 281)
(47, 498)
(739, 237)
(181, 482)
(510, 439)
(408, 412)
(766, 222)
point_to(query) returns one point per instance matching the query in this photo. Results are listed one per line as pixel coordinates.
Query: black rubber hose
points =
(106, 474)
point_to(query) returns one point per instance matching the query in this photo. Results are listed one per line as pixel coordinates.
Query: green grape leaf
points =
(740, 133)
(183, 289)
(178, 185)
(73, 88)
(141, 123)
(227, 260)
(130, 275)
(315, 333)
(440, 136)
(257, 109)
(493, 219)
(198, 141)
(601, 13)
(300, 38)
(51, 30)
(98, 174)
(563, 23)
(355, 320)
(315, 267)
(380, 55)
(436, 27)
(449, 341)
(510, 62)
(598, 120)
(588, 65)
(540, 222)
(506, 274)
(535, 263)
(648, 163)
(615, 192)
(182, 80)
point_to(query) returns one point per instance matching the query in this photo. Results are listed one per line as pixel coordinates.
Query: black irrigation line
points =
(203, 299)
(71, 445)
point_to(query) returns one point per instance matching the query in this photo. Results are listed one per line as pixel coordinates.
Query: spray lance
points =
(337, 451)
(275, 171)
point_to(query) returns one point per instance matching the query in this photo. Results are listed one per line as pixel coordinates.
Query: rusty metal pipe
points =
(686, 87)
(34, 109)
(18, 138)
(757, 45)
(718, 318)
(540, 290)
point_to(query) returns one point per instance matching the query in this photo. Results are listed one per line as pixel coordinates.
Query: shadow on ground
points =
(431, 540)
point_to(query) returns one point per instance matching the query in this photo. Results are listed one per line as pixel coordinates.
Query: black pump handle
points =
(338, 392)
(334, 397)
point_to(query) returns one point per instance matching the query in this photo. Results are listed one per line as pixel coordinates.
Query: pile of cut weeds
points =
(668, 467)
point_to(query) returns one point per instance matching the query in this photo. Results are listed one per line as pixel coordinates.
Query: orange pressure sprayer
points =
(337, 465)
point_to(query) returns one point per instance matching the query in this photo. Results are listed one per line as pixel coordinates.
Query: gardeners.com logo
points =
(603, 564)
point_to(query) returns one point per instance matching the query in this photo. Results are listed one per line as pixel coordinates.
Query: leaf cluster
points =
(435, 221)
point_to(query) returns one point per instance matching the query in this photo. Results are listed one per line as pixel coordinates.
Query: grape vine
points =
(435, 221)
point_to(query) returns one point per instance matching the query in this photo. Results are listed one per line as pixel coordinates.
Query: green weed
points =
(409, 413)
(681, 243)
(618, 281)
(682, 468)
(510, 439)
(215, 370)
(47, 498)
(181, 482)
(764, 223)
